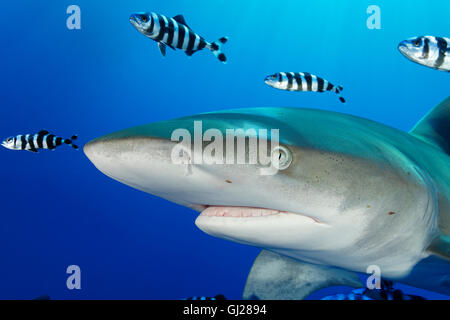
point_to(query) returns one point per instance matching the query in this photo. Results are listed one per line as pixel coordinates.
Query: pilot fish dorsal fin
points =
(277, 277)
(434, 128)
(43, 132)
(180, 19)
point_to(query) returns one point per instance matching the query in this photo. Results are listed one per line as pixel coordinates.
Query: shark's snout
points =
(147, 164)
(130, 159)
(90, 149)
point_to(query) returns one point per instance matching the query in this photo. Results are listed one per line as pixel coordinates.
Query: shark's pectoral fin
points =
(440, 247)
(275, 277)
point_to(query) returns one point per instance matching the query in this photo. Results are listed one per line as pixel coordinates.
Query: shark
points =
(350, 193)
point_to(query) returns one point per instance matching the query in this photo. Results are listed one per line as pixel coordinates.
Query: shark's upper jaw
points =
(144, 163)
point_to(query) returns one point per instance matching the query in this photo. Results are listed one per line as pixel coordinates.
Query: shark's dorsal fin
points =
(434, 128)
(276, 277)
(440, 247)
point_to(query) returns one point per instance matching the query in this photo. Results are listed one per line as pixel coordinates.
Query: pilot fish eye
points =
(282, 157)
(144, 18)
(417, 42)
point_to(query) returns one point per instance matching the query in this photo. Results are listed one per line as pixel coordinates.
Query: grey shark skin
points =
(357, 193)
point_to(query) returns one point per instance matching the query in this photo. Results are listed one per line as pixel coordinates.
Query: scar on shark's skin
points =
(227, 181)
(391, 213)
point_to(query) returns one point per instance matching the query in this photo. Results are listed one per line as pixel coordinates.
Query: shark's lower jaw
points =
(259, 227)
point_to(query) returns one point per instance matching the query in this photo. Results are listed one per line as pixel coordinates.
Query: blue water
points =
(58, 210)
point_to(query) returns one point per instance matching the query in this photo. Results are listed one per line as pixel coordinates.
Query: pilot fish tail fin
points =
(70, 141)
(216, 48)
(337, 90)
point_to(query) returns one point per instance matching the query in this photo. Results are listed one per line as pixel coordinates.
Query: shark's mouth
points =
(237, 212)
(245, 212)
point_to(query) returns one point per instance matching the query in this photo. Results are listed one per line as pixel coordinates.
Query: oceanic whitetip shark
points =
(353, 193)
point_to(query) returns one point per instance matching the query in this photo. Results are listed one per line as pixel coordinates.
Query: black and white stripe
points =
(430, 51)
(426, 48)
(443, 53)
(302, 81)
(175, 33)
(203, 298)
(41, 140)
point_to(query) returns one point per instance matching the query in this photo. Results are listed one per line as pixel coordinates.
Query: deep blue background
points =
(57, 209)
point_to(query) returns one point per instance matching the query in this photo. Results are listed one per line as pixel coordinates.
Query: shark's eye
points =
(417, 42)
(281, 157)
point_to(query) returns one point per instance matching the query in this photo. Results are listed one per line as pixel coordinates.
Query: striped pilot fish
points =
(302, 81)
(175, 33)
(219, 297)
(432, 52)
(385, 293)
(41, 140)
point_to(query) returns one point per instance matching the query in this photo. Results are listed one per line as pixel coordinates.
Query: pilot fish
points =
(386, 292)
(175, 33)
(302, 81)
(203, 298)
(432, 52)
(365, 294)
(41, 140)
